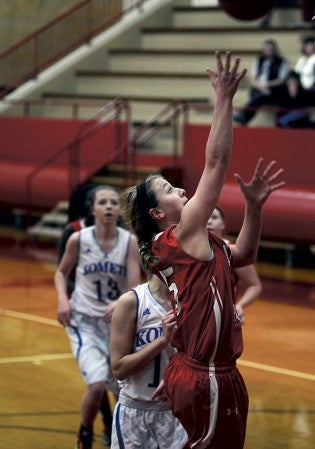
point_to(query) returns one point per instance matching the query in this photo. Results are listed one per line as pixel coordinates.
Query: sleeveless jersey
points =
(235, 276)
(208, 327)
(136, 390)
(100, 277)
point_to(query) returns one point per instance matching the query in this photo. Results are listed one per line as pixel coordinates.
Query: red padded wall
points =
(26, 142)
(289, 214)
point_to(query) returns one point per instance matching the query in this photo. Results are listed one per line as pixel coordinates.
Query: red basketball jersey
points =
(208, 327)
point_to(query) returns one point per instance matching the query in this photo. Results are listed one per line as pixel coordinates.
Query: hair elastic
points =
(142, 197)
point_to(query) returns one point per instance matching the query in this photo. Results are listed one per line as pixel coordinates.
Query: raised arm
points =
(255, 192)
(192, 229)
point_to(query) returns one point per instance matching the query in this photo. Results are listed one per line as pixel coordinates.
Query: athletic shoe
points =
(84, 439)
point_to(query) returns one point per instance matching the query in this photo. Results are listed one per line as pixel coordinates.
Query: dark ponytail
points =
(137, 202)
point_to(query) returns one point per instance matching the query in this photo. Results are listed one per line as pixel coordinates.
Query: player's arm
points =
(67, 232)
(68, 261)
(256, 192)
(124, 361)
(191, 231)
(251, 287)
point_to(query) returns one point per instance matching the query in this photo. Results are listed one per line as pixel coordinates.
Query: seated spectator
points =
(305, 65)
(295, 99)
(307, 12)
(268, 76)
(266, 20)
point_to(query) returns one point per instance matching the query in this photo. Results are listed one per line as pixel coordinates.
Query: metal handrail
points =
(172, 115)
(27, 108)
(110, 112)
(76, 26)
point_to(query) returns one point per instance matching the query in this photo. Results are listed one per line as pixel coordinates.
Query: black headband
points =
(142, 197)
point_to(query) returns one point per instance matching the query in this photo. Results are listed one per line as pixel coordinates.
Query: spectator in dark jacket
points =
(268, 77)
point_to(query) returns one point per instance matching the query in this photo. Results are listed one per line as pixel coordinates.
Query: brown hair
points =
(137, 202)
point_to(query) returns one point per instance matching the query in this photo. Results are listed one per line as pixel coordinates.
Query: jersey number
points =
(113, 290)
(156, 372)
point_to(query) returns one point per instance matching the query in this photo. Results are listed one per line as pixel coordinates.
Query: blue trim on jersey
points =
(128, 245)
(79, 240)
(137, 306)
(118, 429)
(76, 330)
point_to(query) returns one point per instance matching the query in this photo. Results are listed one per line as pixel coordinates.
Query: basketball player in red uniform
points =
(247, 285)
(203, 385)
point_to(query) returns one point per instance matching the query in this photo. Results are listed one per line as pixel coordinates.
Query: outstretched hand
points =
(225, 80)
(262, 184)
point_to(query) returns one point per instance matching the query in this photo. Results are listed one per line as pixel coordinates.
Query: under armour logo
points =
(232, 411)
(237, 318)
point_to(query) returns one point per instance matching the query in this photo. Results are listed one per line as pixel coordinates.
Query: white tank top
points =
(100, 278)
(136, 390)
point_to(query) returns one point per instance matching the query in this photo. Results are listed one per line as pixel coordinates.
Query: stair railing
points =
(111, 111)
(173, 115)
(59, 37)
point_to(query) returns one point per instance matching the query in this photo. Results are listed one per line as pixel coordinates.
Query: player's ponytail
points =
(137, 201)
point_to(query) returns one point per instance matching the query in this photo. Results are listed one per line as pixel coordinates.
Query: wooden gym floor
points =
(41, 388)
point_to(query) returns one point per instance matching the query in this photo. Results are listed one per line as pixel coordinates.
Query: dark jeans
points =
(257, 99)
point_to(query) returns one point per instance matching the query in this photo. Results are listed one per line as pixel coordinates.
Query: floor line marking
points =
(29, 317)
(275, 369)
(40, 358)
(36, 358)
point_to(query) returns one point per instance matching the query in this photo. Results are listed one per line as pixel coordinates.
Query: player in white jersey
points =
(107, 264)
(140, 351)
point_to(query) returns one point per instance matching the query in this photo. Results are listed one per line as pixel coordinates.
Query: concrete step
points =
(45, 233)
(212, 39)
(50, 226)
(172, 61)
(62, 207)
(155, 85)
(113, 175)
(142, 172)
(54, 219)
(193, 17)
(143, 108)
(157, 88)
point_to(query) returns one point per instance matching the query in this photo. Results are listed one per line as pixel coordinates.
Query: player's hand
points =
(262, 184)
(107, 317)
(168, 324)
(64, 314)
(225, 80)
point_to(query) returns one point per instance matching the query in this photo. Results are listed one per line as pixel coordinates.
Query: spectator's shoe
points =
(239, 117)
(84, 439)
(107, 439)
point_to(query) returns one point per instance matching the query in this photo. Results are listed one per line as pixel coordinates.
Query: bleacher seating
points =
(160, 59)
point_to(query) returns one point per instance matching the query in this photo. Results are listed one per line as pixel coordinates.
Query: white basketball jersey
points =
(100, 278)
(137, 389)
